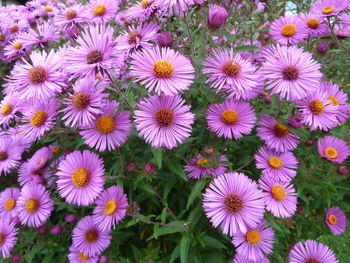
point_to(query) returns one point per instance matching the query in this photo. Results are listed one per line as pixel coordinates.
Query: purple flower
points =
(233, 202)
(10, 155)
(100, 11)
(163, 121)
(9, 106)
(78, 256)
(8, 237)
(216, 17)
(325, 8)
(80, 177)
(69, 16)
(8, 203)
(243, 259)
(316, 27)
(165, 39)
(288, 30)
(333, 149)
(336, 220)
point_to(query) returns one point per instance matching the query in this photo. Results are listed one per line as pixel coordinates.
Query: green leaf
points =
(158, 157)
(184, 248)
(32, 253)
(177, 169)
(164, 230)
(195, 192)
(212, 242)
(246, 48)
(175, 254)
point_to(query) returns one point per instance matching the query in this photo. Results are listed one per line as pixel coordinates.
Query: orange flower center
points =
(81, 100)
(6, 109)
(288, 30)
(231, 69)
(80, 177)
(331, 152)
(229, 117)
(9, 204)
(253, 237)
(38, 118)
(110, 207)
(313, 23)
(163, 69)
(17, 46)
(105, 124)
(280, 130)
(100, 10)
(83, 257)
(316, 107)
(334, 100)
(202, 161)
(332, 219)
(275, 162)
(164, 117)
(278, 192)
(32, 205)
(328, 9)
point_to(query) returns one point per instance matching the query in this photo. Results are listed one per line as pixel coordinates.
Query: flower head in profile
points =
(109, 130)
(162, 70)
(288, 30)
(333, 149)
(276, 135)
(8, 237)
(34, 205)
(142, 10)
(163, 121)
(111, 207)
(10, 155)
(255, 243)
(89, 238)
(230, 73)
(280, 197)
(325, 8)
(231, 119)
(80, 177)
(233, 202)
(174, 7)
(311, 251)
(336, 220)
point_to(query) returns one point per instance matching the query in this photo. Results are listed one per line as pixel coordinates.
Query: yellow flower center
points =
(110, 207)
(48, 8)
(313, 23)
(280, 130)
(316, 107)
(328, 9)
(105, 124)
(332, 219)
(2, 238)
(278, 192)
(229, 117)
(81, 100)
(231, 69)
(163, 69)
(253, 237)
(32, 205)
(100, 10)
(80, 177)
(9, 204)
(334, 100)
(6, 109)
(202, 161)
(56, 149)
(288, 30)
(331, 152)
(164, 117)
(83, 257)
(38, 118)
(17, 46)
(91, 235)
(146, 4)
(275, 162)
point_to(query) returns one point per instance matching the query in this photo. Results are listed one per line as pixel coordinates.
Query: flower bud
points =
(150, 167)
(70, 218)
(343, 170)
(103, 259)
(165, 40)
(295, 121)
(309, 142)
(15, 258)
(56, 230)
(130, 166)
(216, 17)
(41, 229)
(322, 48)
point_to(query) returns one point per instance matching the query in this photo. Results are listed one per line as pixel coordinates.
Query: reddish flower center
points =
(328, 9)
(105, 124)
(279, 130)
(233, 203)
(278, 192)
(332, 219)
(331, 153)
(3, 156)
(7, 109)
(133, 37)
(229, 117)
(313, 23)
(231, 69)
(91, 235)
(253, 237)
(110, 207)
(14, 29)
(71, 14)
(290, 73)
(164, 117)
(163, 69)
(288, 30)
(81, 100)
(80, 177)
(100, 10)
(316, 107)
(38, 118)
(312, 260)
(2, 238)
(95, 56)
(9, 204)
(32, 205)
(37, 75)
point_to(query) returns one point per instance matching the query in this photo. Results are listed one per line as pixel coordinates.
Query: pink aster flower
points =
(9, 106)
(10, 155)
(163, 121)
(39, 80)
(8, 234)
(85, 103)
(280, 197)
(14, 49)
(108, 130)
(142, 10)
(89, 238)
(325, 8)
(229, 72)
(175, 7)
(336, 220)
(80, 177)
(288, 30)
(242, 259)
(34, 205)
(276, 135)
(8, 203)
(201, 165)
(291, 72)
(338, 98)
(69, 16)
(233, 202)
(231, 119)
(342, 31)
(110, 208)
(333, 149)
(256, 242)
(101, 11)
(77, 256)
(95, 52)
(318, 112)
(163, 70)
(276, 164)
(315, 25)
(138, 37)
(39, 118)
(311, 251)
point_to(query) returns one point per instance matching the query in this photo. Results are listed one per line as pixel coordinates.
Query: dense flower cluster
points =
(72, 68)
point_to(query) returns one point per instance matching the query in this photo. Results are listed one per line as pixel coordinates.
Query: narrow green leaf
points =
(195, 192)
(184, 248)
